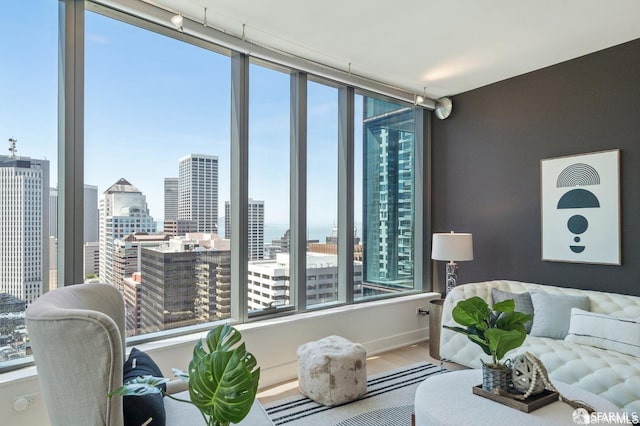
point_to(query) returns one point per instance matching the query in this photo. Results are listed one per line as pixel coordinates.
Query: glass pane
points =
(387, 182)
(157, 149)
(322, 194)
(28, 166)
(269, 140)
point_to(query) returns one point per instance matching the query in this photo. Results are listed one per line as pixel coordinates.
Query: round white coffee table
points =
(447, 399)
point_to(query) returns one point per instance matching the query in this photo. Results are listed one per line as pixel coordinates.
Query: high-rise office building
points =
(179, 227)
(132, 303)
(183, 285)
(24, 227)
(388, 185)
(198, 190)
(91, 213)
(255, 227)
(91, 257)
(123, 211)
(170, 198)
(126, 255)
(268, 280)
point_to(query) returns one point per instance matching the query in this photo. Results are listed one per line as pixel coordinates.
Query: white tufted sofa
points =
(609, 374)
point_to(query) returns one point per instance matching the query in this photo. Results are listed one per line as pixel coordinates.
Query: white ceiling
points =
(448, 46)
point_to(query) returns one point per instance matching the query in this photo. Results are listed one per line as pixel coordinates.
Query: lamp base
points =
(452, 276)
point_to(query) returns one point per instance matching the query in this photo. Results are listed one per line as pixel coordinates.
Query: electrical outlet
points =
(23, 402)
(422, 311)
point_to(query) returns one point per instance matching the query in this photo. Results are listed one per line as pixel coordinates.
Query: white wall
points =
(380, 326)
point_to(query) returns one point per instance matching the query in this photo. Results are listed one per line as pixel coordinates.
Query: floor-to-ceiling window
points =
(322, 194)
(157, 147)
(157, 176)
(269, 195)
(28, 166)
(385, 204)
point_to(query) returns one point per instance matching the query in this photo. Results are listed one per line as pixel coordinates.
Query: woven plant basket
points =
(495, 378)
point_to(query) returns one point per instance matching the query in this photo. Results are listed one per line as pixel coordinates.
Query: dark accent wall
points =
(486, 165)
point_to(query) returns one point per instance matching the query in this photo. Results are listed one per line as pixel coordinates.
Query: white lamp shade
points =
(452, 247)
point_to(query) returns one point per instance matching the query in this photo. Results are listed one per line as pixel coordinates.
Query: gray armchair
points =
(77, 335)
(78, 339)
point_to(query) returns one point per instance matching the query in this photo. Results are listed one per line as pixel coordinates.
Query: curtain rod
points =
(160, 16)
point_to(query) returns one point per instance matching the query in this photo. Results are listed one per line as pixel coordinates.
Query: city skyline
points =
(139, 116)
(155, 112)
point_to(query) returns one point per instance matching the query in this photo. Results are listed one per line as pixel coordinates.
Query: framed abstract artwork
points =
(581, 208)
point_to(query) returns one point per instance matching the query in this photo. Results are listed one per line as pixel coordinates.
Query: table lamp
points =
(452, 247)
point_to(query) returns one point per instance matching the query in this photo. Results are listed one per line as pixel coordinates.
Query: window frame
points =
(157, 20)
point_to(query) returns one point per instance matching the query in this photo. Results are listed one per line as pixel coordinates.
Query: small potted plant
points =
(223, 378)
(497, 330)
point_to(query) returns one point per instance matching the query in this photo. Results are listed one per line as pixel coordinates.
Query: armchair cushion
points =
(138, 410)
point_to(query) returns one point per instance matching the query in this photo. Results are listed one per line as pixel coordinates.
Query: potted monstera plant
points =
(223, 378)
(497, 330)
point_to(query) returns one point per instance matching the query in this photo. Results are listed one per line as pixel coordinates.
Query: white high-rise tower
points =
(170, 198)
(123, 211)
(198, 191)
(24, 226)
(255, 227)
(90, 213)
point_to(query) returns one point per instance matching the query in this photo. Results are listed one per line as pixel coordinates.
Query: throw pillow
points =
(605, 331)
(145, 410)
(522, 301)
(552, 313)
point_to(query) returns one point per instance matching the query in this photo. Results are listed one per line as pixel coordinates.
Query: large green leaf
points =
(471, 312)
(221, 338)
(513, 321)
(223, 384)
(223, 376)
(502, 341)
(507, 305)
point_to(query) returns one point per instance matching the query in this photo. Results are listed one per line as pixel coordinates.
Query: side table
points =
(435, 326)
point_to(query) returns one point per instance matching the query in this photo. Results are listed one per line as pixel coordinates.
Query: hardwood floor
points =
(376, 364)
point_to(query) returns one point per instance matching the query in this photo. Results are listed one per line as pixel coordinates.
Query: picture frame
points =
(580, 208)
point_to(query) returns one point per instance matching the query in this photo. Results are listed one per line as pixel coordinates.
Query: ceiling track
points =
(190, 27)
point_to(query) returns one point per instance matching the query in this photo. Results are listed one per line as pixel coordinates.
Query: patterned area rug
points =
(388, 402)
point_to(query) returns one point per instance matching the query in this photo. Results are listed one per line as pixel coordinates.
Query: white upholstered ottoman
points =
(332, 370)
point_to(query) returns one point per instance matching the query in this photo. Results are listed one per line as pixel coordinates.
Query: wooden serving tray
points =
(528, 405)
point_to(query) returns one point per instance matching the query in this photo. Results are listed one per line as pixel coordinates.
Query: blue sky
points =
(150, 100)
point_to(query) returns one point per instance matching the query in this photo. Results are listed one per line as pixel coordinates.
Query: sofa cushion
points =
(552, 312)
(605, 331)
(146, 409)
(522, 301)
